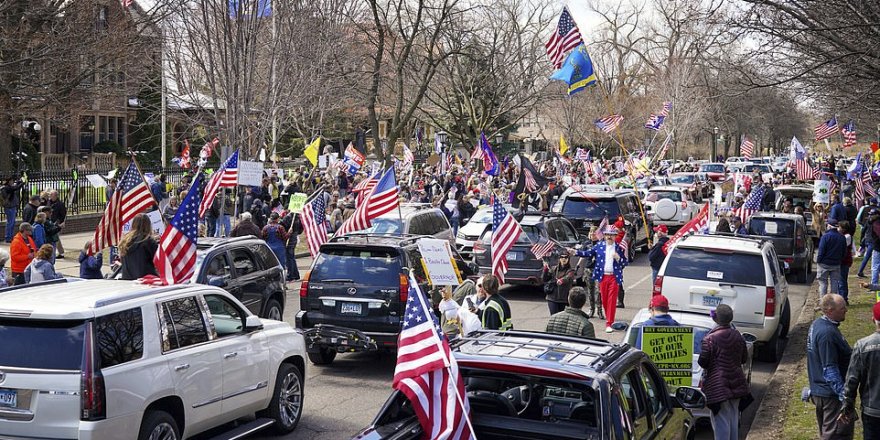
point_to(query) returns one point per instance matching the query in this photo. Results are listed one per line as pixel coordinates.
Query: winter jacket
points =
(838, 212)
(40, 270)
(722, 353)
(656, 320)
(39, 235)
(29, 213)
(863, 375)
(19, 253)
(90, 266)
(59, 211)
(12, 195)
(832, 247)
(244, 228)
(657, 255)
(571, 321)
(827, 358)
(138, 261)
(560, 294)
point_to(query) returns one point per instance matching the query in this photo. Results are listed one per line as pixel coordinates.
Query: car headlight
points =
(460, 235)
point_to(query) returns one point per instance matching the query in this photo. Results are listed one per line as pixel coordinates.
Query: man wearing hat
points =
(736, 224)
(659, 308)
(832, 247)
(657, 253)
(863, 376)
(608, 271)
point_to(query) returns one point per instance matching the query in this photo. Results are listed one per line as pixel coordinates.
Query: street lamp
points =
(714, 143)
(441, 136)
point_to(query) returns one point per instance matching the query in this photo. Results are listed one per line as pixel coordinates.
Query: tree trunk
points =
(6, 123)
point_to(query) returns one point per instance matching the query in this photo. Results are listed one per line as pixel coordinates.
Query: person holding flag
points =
(608, 271)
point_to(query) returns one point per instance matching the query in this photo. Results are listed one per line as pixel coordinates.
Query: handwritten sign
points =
(437, 256)
(672, 350)
(250, 173)
(822, 191)
(297, 202)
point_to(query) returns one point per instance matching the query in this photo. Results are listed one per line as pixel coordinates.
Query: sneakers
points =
(608, 330)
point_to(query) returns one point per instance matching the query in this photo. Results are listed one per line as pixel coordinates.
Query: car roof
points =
(712, 163)
(205, 243)
(666, 188)
(682, 317)
(552, 354)
(798, 187)
(727, 242)
(374, 239)
(779, 215)
(534, 218)
(74, 298)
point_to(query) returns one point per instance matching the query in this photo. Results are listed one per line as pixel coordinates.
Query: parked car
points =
(523, 266)
(790, 237)
(585, 209)
(478, 224)
(735, 160)
(122, 360)
(698, 183)
(779, 164)
(418, 219)
(353, 297)
(528, 385)
(702, 271)
(715, 170)
(800, 195)
(670, 205)
(764, 169)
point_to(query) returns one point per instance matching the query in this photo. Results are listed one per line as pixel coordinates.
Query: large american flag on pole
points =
(385, 196)
(608, 123)
(225, 177)
(752, 203)
(505, 232)
(365, 187)
(698, 224)
(175, 259)
(849, 134)
(312, 218)
(826, 129)
(132, 196)
(747, 147)
(427, 373)
(565, 38)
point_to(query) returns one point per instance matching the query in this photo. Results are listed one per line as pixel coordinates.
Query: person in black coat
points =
(657, 254)
(137, 249)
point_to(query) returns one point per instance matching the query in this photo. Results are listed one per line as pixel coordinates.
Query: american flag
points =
(542, 248)
(608, 123)
(427, 373)
(478, 153)
(132, 196)
(183, 161)
(602, 225)
(209, 148)
(365, 187)
(175, 259)
(408, 157)
(654, 122)
(849, 134)
(624, 246)
(565, 38)
(313, 224)
(826, 129)
(530, 184)
(127, 3)
(747, 147)
(752, 203)
(385, 196)
(225, 177)
(663, 148)
(505, 232)
(667, 106)
(698, 224)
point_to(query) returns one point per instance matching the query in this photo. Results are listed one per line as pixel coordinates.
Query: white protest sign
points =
(437, 257)
(156, 221)
(250, 173)
(322, 161)
(822, 191)
(96, 180)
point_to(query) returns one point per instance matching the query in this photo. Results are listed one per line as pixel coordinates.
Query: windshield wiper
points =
(338, 280)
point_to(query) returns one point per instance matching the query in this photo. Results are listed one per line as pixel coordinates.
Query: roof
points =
(370, 239)
(796, 187)
(74, 298)
(550, 354)
(726, 242)
(666, 188)
(780, 215)
(210, 242)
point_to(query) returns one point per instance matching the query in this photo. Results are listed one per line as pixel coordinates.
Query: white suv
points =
(702, 271)
(670, 206)
(104, 359)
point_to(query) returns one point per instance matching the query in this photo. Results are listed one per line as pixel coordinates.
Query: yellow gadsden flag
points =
(311, 152)
(563, 147)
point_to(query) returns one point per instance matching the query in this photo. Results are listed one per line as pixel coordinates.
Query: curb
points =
(774, 404)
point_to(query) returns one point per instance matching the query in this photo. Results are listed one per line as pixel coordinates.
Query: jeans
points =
(454, 221)
(875, 265)
(869, 250)
(870, 427)
(654, 275)
(292, 269)
(211, 225)
(223, 221)
(725, 423)
(843, 285)
(828, 276)
(11, 213)
(555, 307)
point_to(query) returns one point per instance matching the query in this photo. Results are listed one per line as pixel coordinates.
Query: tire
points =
(785, 320)
(274, 310)
(158, 425)
(286, 405)
(323, 357)
(771, 351)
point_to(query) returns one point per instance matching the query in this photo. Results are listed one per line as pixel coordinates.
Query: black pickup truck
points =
(790, 237)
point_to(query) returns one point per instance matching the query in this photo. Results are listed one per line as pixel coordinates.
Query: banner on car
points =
(672, 350)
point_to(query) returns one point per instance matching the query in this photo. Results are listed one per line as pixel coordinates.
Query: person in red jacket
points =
(21, 252)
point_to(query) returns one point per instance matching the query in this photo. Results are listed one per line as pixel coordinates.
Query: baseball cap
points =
(877, 311)
(661, 228)
(659, 301)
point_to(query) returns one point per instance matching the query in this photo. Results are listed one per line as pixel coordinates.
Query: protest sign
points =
(822, 191)
(297, 202)
(439, 264)
(250, 173)
(96, 180)
(672, 350)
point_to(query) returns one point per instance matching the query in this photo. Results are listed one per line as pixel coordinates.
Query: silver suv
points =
(104, 359)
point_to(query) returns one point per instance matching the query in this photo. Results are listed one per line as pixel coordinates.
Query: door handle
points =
(230, 355)
(181, 367)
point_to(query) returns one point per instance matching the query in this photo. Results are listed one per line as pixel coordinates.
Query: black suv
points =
(354, 296)
(244, 267)
(529, 385)
(587, 208)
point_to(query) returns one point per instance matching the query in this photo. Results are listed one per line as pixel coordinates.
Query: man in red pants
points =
(608, 271)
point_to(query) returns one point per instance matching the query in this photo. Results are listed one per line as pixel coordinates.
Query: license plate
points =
(352, 308)
(711, 301)
(514, 256)
(8, 398)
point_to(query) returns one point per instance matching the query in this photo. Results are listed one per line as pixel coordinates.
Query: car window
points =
(654, 196)
(243, 262)
(369, 267)
(267, 257)
(227, 318)
(48, 345)
(218, 267)
(590, 208)
(532, 234)
(633, 390)
(120, 337)
(772, 227)
(418, 225)
(715, 265)
(182, 323)
(774, 268)
(553, 230)
(656, 391)
(442, 223)
(384, 225)
(567, 231)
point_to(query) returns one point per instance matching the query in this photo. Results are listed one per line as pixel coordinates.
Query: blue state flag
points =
(263, 8)
(577, 70)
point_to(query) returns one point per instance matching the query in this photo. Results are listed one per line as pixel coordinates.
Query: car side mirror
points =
(218, 281)
(252, 323)
(689, 398)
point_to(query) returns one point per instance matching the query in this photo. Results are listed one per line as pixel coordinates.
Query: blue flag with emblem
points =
(577, 70)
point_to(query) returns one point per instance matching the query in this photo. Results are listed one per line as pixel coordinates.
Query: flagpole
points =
(150, 190)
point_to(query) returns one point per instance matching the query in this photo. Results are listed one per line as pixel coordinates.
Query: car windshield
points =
(712, 168)
(715, 265)
(47, 345)
(384, 225)
(654, 196)
(773, 227)
(360, 266)
(591, 209)
(682, 178)
(761, 168)
(482, 216)
(532, 235)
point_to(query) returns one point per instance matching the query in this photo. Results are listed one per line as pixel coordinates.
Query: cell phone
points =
(470, 303)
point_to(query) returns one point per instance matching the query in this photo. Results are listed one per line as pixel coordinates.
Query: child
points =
(89, 265)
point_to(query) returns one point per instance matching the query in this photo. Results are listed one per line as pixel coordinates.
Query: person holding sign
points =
(608, 271)
(722, 353)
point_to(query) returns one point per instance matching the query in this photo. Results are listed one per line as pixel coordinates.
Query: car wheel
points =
(287, 399)
(771, 350)
(323, 356)
(785, 320)
(274, 310)
(158, 425)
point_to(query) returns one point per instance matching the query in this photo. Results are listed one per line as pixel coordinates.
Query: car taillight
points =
(658, 286)
(770, 304)
(91, 385)
(478, 246)
(404, 287)
(304, 286)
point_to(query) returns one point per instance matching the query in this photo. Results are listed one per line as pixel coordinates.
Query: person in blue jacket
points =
(659, 307)
(89, 265)
(608, 271)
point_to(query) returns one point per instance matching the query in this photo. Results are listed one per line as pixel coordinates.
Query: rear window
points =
(363, 266)
(687, 178)
(771, 227)
(387, 226)
(591, 209)
(654, 196)
(51, 345)
(531, 234)
(718, 168)
(699, 264)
